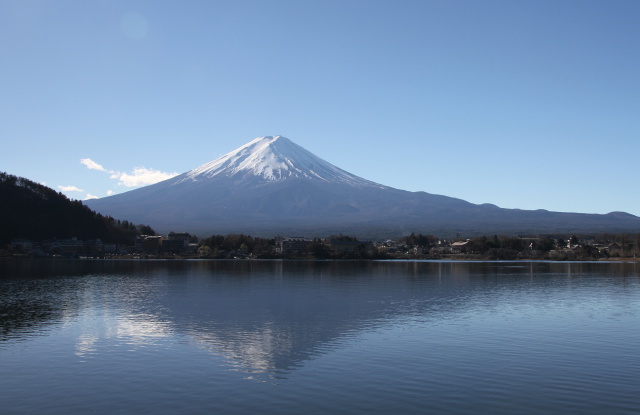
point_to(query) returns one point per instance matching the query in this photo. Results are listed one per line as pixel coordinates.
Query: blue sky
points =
(524, 104)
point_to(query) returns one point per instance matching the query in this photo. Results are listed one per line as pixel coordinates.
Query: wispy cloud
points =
(70, 189)
(92, 165)
(90, 196)
(142, 177)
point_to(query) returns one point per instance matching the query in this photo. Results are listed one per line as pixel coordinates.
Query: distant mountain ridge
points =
(272, 185)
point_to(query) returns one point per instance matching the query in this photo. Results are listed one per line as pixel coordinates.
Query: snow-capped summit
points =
(273, 159)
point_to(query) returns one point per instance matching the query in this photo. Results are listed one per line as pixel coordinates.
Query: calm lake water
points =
(296, 337)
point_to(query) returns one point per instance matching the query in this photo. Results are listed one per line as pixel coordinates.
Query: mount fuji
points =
(273, 186)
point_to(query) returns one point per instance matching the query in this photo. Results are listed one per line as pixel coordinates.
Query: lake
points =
(315, 337)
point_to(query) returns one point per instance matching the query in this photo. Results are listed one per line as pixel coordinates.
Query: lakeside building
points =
(459, 247)
(149, 244)
(292, 245)
(175, 242)
(23, 245)
(67, 247)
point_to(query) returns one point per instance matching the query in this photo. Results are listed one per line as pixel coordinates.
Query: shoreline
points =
(417, 259)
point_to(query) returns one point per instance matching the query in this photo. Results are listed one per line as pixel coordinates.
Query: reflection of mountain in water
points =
(264, 316)
(273, 316)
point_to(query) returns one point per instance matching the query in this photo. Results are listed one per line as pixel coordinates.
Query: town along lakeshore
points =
(175, 245)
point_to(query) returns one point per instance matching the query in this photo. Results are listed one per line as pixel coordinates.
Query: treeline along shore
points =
(414, 246)
(418, 246)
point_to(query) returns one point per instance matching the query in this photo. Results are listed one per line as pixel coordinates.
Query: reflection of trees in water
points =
(27, 304)
(271, 316)
(37, 293)
(22, 317)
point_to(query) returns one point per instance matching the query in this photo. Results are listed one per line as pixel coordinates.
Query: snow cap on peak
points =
(274, 158)
(268, 139)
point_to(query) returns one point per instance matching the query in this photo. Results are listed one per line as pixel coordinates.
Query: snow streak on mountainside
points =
(274, 159)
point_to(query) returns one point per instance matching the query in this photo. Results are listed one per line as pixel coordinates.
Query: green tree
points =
(146, 230)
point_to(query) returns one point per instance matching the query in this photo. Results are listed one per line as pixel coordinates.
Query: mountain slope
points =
(271, 185)
(36, 212)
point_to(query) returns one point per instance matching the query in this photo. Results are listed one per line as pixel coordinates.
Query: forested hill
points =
(32, 211)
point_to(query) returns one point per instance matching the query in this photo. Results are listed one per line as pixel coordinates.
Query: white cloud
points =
(92, 165)
(70, 189)
(90, 196)
(142, 177)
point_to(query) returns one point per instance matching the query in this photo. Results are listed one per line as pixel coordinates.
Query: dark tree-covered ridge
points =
(33, 211)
